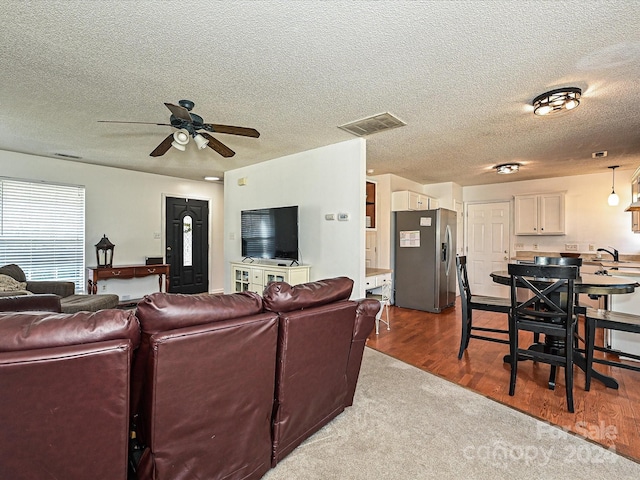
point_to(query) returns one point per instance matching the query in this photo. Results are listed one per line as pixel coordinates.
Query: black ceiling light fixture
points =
(556, 101)
(507, 168)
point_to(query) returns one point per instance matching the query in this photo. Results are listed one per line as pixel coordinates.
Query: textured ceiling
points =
(461, 74)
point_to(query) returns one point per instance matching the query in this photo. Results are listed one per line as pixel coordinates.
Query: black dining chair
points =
(575, 261)
(472, 302)
(552, 286)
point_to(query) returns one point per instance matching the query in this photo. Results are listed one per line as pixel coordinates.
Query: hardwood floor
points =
(431, 342)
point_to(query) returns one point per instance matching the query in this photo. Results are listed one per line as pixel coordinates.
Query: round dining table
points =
(590, 284)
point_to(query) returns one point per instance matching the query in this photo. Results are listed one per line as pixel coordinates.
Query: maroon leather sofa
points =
(204, 385)
(269, 373)
(64, 394)
(321, 341)
(220, 387)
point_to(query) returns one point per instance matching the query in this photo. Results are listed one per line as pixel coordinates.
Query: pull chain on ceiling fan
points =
(190, 125)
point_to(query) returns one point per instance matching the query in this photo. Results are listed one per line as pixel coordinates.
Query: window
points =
(42, 229)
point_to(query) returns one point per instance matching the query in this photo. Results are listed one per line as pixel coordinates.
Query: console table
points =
(127, 271)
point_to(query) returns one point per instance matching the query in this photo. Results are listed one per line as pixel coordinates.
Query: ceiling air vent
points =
(599, 154)
(374, 124)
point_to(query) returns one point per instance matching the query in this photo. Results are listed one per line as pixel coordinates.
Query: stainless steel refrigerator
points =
(425, 267)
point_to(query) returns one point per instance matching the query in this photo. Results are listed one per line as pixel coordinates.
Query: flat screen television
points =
(270, 233)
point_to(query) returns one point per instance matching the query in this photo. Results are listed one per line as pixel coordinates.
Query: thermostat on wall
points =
(343, 217)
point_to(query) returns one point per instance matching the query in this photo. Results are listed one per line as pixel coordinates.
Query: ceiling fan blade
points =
(245, 132)
(164, 146)
(179, 112)
(218, 146)
(141, 123)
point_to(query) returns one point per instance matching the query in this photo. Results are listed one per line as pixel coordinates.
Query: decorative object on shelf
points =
(556, 101)
(613, 199)
(507, 168)
(104, 252)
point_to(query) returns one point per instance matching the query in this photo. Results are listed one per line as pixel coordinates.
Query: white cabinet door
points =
(403, 200)
(551, 214)
(539, 214)
(526, 214)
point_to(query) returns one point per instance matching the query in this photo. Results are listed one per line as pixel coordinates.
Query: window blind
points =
(42, 229)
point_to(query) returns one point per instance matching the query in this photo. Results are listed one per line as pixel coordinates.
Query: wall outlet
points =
(571, 247)
(535, 246)
(592, 247)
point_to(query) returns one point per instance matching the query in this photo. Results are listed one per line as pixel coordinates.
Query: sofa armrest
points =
(56, 287)
(362, 328)
(31, 303)
(365, 318)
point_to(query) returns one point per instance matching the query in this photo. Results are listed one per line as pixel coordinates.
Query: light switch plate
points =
(343, 217)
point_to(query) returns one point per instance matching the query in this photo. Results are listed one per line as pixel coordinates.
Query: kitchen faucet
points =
(614, 254)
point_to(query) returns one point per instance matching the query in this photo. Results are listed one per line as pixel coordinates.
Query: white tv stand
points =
(254, 277)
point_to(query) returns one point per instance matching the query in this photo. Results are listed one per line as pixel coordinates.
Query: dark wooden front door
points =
(187, 243)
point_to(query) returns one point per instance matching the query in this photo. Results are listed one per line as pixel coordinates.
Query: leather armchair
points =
(64, 392)
(320, 346)
(204, 385)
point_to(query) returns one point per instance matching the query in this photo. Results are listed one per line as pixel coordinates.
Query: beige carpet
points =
(410, 424)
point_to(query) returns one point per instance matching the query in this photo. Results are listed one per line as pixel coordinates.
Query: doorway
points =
(187, 244)
(488, 229)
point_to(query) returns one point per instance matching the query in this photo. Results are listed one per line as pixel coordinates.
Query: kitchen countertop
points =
(372, 272)
(629, 265)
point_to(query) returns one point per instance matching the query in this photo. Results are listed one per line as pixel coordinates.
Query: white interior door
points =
(487, 247)
(371, 249)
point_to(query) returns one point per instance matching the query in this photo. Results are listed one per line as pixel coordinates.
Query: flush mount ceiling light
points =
(507, 168)
(557, 101)
(613, 199)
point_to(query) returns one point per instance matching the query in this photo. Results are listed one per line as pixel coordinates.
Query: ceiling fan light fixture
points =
(507, 168)
(201, 142)
(556, 101)
(180, 139)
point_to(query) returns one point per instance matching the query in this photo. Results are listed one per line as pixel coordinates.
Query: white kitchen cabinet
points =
(627, 303)
(635, 196)
(540, 214)
(255, 277)
(404, 200)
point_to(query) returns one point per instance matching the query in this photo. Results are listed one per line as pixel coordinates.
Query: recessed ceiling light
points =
(557, 101)
(507, 168)
(212, 179)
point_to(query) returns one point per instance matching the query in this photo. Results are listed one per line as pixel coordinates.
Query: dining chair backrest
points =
(539, 260)
(547, 284)
(463, 278)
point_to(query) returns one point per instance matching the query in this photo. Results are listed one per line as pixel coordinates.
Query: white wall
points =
(589, 219)
(325, 180)
(128, 207)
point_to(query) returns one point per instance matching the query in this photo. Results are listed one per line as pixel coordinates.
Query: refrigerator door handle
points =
(446, 248)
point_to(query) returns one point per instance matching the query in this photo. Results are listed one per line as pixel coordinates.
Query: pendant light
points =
(613, 199)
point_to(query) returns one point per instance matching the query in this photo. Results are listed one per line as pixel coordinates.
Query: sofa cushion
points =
(10, 284)
(25, 331)
(13, 271)
(159, 312)
(282, 297)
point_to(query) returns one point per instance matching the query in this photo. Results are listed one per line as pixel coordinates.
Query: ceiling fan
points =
(190, 125)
